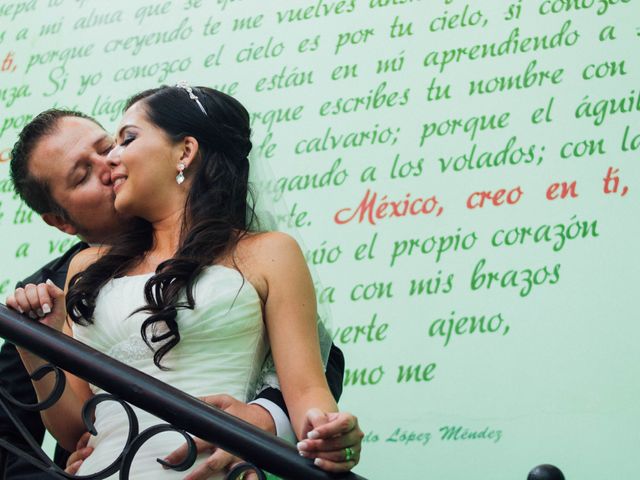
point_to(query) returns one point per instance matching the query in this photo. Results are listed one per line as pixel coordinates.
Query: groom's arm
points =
(272, 401)
(334, 373)
(268, 412)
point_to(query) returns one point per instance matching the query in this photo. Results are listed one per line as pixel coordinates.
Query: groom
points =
(60, 170)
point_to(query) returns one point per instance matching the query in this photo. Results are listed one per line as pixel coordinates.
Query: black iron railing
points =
(183, 412)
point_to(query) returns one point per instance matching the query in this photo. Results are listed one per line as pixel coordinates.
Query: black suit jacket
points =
(16, 380)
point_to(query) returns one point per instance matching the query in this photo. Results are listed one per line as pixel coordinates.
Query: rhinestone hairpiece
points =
(185, 86)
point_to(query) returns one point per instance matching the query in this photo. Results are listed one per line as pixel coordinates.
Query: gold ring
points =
(348, 454)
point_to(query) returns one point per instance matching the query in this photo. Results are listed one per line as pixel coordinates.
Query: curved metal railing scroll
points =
(183, 413)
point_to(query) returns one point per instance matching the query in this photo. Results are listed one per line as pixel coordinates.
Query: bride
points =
(191, 295)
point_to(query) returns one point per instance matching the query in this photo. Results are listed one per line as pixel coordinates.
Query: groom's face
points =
(72, 161)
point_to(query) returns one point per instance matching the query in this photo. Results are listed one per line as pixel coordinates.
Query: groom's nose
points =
(102, 167)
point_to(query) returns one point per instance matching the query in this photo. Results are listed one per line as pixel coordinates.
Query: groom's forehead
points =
(72, 139)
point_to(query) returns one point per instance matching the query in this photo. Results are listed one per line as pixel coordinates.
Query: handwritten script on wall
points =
(463, 177)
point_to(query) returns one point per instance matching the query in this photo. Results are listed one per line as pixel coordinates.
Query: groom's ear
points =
(60, 223)
(190, 149)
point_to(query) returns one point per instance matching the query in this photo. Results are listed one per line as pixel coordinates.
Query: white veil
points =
(269, 206)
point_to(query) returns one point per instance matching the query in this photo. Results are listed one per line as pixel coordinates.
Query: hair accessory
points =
(180, 176)
(185, 86)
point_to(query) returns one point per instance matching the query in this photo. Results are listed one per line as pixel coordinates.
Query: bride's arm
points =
(333, 439)
(290, 316)
(63, 419)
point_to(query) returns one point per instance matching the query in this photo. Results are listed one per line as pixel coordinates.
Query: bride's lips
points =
(117, 180)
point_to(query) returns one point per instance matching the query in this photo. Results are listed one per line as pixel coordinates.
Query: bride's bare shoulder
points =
(267, 246)
(261, 255)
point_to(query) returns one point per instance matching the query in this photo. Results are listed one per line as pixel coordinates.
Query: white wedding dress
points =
(222, 348)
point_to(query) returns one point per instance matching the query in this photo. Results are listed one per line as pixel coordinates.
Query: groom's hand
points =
(254, 414)
(81, 453)
(219, 460)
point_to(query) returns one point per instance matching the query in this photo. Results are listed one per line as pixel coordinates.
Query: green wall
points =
(463, 176)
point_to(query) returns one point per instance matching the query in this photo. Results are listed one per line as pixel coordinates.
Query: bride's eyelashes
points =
(127, 140)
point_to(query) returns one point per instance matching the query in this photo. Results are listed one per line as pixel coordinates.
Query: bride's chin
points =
(129, 208)
(122, 206)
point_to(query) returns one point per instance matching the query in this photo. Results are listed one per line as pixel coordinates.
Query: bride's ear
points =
(190, 148)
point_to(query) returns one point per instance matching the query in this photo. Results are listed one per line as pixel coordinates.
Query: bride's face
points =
(144, 166)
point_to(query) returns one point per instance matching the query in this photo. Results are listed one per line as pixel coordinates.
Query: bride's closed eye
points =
(127, 140)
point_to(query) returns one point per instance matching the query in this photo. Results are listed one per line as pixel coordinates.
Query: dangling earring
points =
(180, 176)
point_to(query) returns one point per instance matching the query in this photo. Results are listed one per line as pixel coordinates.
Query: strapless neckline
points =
(148, 274)
(206, 269)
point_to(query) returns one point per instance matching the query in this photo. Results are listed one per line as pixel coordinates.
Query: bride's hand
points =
(43, 302)
(334, 440)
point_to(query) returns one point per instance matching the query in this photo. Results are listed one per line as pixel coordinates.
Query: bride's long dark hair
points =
(217, 213)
